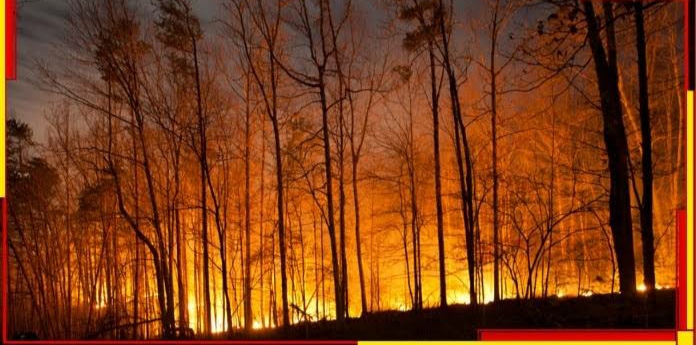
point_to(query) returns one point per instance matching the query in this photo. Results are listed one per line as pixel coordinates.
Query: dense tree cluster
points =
(299, 160)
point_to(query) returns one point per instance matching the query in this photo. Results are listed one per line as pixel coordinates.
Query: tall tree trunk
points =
(261, 221)
(248, 318)
(342, 209)
(221, 227)
(281, 222)
(358, 245)
(494, 153)
(551, 206)
(136, 283)
(323, 269)
(418, 295)
(646, 210)
(180, 269)
(202, 157)
(404, 237)
(616, 144)
(415, 226)
(180, 250)
(464, 167)
(338, 290)
(316, 263)
(435, 99)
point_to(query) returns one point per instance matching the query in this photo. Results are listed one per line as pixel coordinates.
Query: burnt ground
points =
(461, 322)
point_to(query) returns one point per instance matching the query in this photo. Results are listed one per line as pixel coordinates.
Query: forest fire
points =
(215, 169)
(257, 325)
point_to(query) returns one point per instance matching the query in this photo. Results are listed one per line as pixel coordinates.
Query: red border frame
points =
(681, 271)
(11, 39)
(483, 334)
(577, 335)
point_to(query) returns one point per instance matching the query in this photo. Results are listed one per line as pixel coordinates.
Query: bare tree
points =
(615, 141)
(646, 202)
(266, 23)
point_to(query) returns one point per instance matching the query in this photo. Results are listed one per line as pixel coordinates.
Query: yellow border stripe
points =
(685, 338)
(690, 208)
(528, 342)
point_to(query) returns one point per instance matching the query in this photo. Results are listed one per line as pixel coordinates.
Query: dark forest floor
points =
(461, 322)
